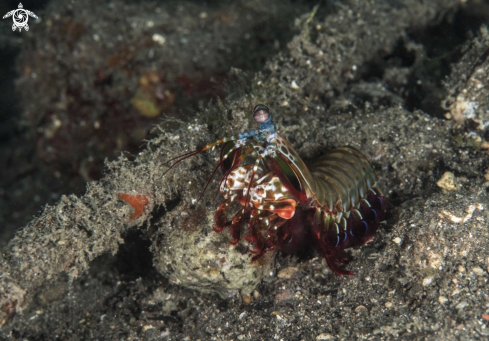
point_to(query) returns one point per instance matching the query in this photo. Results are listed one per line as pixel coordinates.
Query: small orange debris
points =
(485, 317)
(136, 201)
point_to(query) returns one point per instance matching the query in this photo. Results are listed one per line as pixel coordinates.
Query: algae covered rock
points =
(468, 92)
(203, 260)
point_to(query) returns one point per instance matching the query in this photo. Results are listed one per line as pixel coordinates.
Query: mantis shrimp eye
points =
(261, 113)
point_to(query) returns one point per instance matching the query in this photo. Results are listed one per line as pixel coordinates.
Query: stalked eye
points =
(231, 159)
(261, 113)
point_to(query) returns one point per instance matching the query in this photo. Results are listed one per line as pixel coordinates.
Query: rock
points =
(205, 261)
(447, 182)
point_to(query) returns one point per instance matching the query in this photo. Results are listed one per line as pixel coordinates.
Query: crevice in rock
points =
(418, 65)
(134, 258)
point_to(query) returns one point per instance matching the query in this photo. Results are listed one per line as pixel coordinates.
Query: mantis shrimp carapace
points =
(334, 204)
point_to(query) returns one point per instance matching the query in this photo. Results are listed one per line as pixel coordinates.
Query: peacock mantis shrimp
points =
(335, 204)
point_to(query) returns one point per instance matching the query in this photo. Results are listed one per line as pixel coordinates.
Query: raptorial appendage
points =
(335, 205)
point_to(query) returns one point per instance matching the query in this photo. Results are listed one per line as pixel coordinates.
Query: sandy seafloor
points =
(404, 81)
